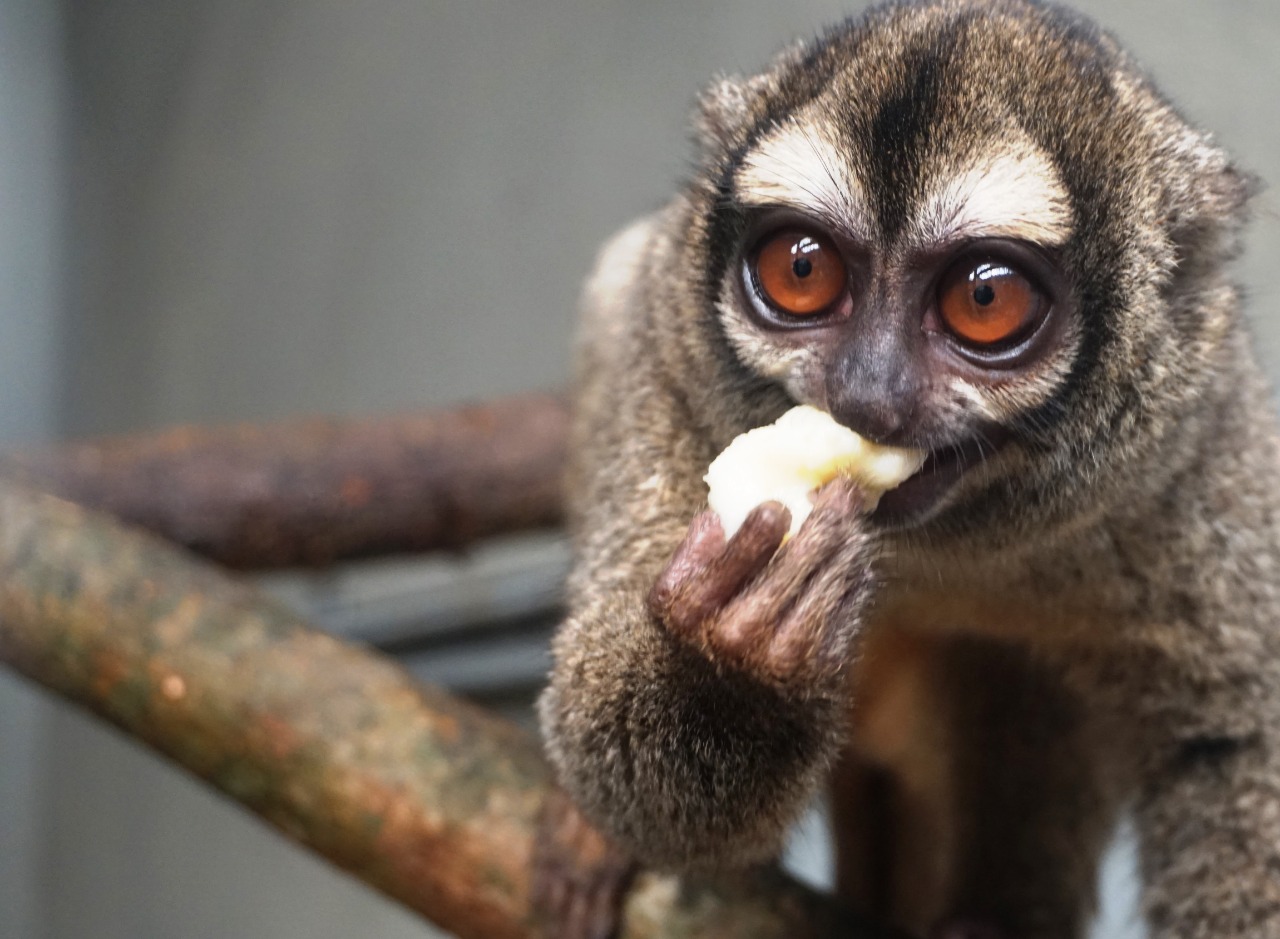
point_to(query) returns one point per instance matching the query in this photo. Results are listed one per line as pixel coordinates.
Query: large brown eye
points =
(800, 273)
(988, 303)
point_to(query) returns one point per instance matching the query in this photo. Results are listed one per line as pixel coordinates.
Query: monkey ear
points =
(1210, 189)
(725, 110)
(1209, 194)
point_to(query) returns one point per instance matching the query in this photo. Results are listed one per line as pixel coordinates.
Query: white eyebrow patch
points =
(1015, 195)
(798, 167)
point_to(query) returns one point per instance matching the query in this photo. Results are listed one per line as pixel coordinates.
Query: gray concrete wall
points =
(33, 108)
(305, 206)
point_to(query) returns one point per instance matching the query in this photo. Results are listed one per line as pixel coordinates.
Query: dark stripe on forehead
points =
(899, 135)
(724, 226)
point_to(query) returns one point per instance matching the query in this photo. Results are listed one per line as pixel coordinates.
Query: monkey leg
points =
(1033, 808)
(891, 798)
(975, 800)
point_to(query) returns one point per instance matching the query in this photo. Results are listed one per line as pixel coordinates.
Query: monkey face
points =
(937, 345)
(975, 229)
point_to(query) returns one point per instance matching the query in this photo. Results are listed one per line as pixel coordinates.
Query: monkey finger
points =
(700, 597)
(815, 574)
(745, 627)
(837, 507)
(829, 527)
(589, 903)
(592, 902)
(602, 913)
(549, 892)
(703, 542)
(815, 634)
(753, 545)
(967, 929)
(579, 915)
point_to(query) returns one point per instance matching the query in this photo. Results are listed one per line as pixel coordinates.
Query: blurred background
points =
(252, 210)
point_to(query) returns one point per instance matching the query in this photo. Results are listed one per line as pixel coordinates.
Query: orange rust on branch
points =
(173, 687)
(278, 738)
(108, 670)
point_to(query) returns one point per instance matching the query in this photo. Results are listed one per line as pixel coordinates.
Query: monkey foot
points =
(579, 877)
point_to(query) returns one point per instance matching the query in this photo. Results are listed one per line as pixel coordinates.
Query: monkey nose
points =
(880, 415)
(881, 427)
(874, 388)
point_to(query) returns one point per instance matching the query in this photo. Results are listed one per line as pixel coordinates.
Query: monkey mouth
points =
(913, 500)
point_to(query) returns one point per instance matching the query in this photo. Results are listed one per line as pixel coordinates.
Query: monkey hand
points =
(786, 614)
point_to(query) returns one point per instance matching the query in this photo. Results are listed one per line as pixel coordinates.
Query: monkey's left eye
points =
(989, 303)
(799, 272)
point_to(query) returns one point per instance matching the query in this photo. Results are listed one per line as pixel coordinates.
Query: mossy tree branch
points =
(422, 796)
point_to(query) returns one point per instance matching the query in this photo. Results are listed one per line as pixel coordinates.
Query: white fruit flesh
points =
(790, 458)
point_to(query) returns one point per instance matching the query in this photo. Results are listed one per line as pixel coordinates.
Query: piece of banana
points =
(787, 460)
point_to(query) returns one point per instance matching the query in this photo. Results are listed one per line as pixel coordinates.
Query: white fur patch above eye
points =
(798, 167)
(1017, 195)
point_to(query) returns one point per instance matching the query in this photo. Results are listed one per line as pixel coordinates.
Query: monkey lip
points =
(942, 469)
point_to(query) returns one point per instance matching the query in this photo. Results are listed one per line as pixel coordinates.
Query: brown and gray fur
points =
(1088, 625)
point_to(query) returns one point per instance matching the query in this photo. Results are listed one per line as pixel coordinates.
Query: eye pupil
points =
(802, 267)
(984, 295)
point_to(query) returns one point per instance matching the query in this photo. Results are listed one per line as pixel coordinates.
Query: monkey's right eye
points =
(799, 273)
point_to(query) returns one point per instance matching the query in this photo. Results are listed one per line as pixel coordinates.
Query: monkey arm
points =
(1209, 819)
(1211, 841)
(1189, 710)
(684, 762)
(686, 756)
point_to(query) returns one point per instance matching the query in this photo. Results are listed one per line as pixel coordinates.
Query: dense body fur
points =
(1090, 622)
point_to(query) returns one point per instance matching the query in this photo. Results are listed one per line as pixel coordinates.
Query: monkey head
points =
(969, 227)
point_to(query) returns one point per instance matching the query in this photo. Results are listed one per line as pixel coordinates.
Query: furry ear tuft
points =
(725, 109)
(1207, 203)
(1219, 189)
